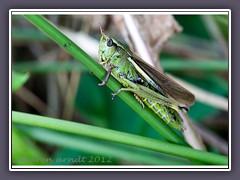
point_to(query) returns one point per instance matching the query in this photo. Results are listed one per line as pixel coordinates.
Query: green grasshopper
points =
(149, 86)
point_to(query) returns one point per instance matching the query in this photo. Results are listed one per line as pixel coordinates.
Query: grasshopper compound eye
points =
(110, 42)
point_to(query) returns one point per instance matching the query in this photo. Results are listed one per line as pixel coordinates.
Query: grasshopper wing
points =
(169, 87)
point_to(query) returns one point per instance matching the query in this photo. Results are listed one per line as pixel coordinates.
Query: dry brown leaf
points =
(155, 30)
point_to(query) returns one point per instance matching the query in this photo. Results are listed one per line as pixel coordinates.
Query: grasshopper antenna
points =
(102, 32)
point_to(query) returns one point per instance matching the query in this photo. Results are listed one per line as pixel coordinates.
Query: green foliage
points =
(74, 147)
(18, 79)
(119, 137)
(25, 151)
(94, 106)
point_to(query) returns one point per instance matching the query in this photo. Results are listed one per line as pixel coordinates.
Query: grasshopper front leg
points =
(107, 76)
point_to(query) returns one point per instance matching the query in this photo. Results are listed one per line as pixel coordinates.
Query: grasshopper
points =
(149, 86)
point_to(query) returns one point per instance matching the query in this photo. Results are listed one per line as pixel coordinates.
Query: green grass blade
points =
(118, 137)
(18, 79)
(98, 147)
(171, 64)
(25, 151)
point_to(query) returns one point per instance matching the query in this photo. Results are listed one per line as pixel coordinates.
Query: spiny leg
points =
(145, 92)
(139, 100)
(107, 76)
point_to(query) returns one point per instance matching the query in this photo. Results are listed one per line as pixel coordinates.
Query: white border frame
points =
(118, 11)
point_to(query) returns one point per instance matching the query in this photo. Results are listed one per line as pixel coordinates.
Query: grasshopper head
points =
(107, 47)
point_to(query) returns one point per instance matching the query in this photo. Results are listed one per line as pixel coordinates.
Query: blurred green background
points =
(47, 81)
